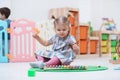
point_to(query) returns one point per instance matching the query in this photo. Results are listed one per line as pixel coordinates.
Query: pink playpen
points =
(22, 44)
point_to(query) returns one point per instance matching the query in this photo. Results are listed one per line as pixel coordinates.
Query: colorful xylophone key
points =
(64, 67)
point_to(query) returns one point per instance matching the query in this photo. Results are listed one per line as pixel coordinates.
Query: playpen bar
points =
(1, 44)
(31, 44)
(22, 44)
(5, 44)
(18, 44)
(13, 48)
(26, 43)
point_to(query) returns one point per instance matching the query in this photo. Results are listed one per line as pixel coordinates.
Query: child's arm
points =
(41, 41)
(76, 48)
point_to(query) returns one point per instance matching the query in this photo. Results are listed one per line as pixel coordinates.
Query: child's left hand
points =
(75, 48)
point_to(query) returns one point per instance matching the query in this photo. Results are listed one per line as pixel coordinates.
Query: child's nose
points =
(62, 31)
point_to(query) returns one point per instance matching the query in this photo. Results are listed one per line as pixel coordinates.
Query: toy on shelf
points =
(107, 35)
(116, 56)
(108, 24)
(91, 28)
(118, 47)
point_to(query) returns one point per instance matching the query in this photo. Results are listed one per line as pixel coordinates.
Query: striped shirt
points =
(62, 48)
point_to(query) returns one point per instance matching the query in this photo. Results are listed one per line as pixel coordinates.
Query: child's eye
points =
(64, 29)
(58, 29)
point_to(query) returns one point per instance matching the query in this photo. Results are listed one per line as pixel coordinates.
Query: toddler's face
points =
(1, 16)
(61, 31)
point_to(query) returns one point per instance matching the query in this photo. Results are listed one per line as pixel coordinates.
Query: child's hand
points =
(35, 35)
(36, 32)
(75, 48)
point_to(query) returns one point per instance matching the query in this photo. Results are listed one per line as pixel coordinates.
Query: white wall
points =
(37, 10)
(5, 3)
(105, 8)
(85, 10)
(90, 10)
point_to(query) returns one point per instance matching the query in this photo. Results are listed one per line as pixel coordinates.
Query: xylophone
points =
(65, 67)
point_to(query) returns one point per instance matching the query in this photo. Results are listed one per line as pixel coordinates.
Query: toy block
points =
(31, 72)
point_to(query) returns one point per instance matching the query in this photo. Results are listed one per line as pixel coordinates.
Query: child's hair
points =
(5, 11)
(62, 21)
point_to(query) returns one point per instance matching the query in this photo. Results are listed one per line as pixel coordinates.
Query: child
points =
(64, 46)
(4, 15)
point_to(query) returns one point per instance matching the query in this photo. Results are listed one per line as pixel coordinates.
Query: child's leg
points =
(53, 61)
(44, 59)
(41, 64)
(37, 64)
(40, 58)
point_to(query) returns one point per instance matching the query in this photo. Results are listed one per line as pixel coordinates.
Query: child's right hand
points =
(36, 32)
(35, 35)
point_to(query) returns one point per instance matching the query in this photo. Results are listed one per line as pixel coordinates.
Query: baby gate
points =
(22, 44)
